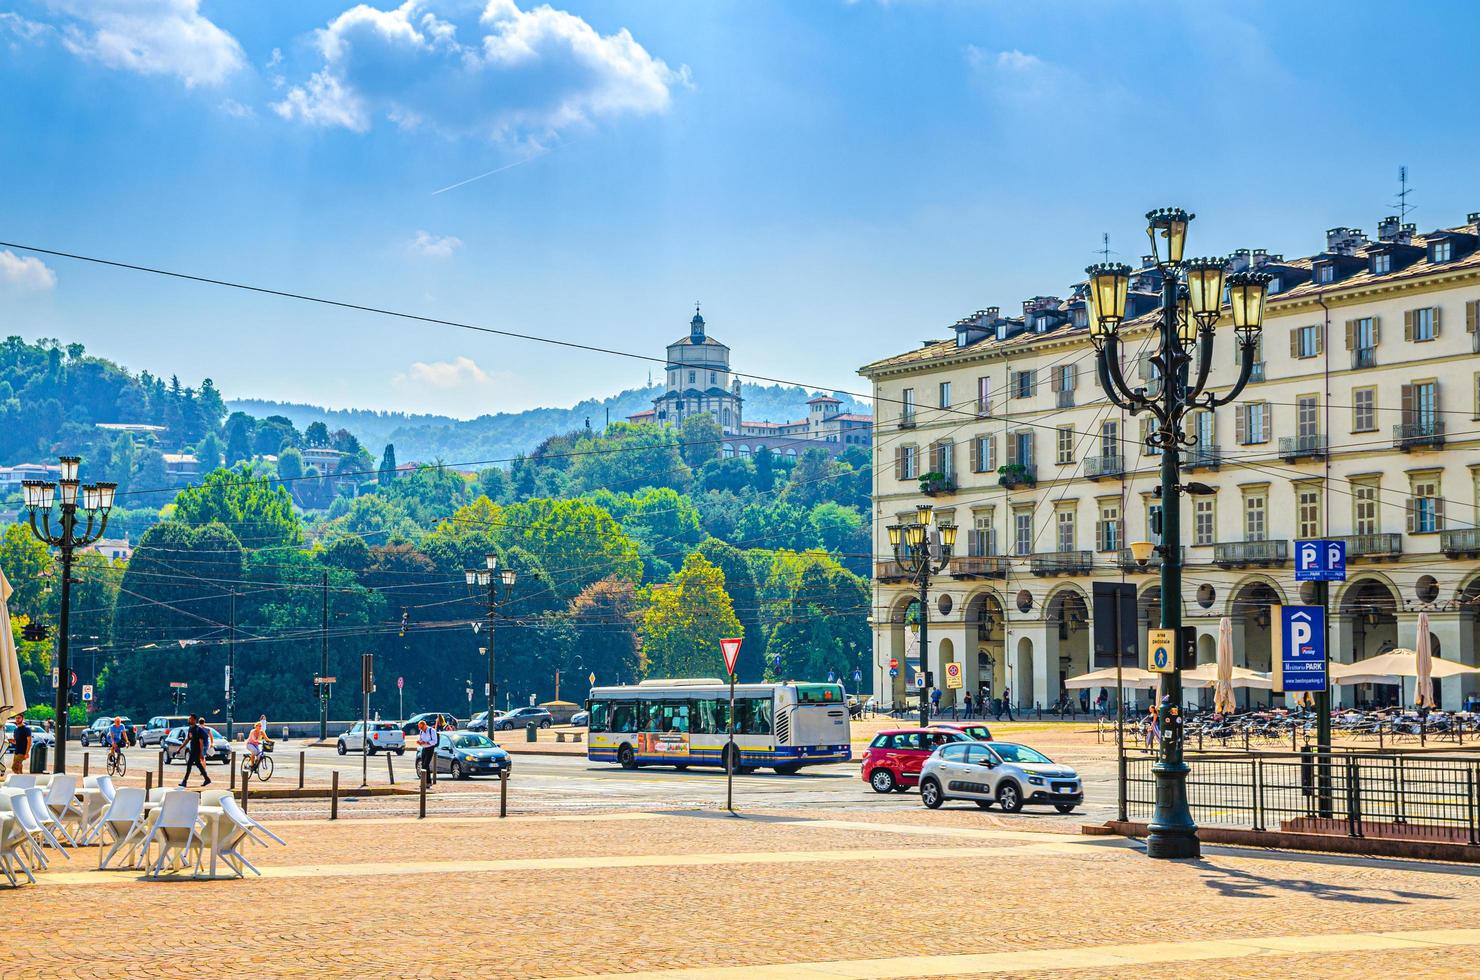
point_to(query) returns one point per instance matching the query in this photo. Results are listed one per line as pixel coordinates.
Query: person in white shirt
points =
(426, 741)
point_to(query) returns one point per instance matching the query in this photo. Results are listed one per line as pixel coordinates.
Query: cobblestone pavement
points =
(778, 894)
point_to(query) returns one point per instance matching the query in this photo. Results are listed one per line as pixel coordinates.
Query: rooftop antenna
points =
(1403, 191)
(1105, 246)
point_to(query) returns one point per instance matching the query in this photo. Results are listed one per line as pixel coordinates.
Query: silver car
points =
(1004, 773)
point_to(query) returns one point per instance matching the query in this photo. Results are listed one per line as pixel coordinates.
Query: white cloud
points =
(25, 272)
(151, 37)
(22, 29)
(435, 246)
(504, 72)
(1022, 79)
(236, 110)
(457, 373)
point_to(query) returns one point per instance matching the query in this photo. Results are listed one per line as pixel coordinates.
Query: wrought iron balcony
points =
(1464, 541)
(1018, 475)
(1202, 458)
(1065, 399)
(938, 485)
(1107, 466)
(1240, 553)
(1302, 447)
(907, 420)
(1063, 563)
(1364, 357)
(891, 571)
(1257, 374)
(1427, 434)
(1372, 545)
(977, 566)
(1128, 561)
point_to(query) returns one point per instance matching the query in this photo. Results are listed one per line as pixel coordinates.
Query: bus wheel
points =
(680, 766)
(790, 769)
(627, 757)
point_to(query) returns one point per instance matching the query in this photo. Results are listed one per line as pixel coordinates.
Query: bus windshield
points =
(819, 694)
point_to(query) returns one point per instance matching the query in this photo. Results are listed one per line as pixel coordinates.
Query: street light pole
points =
(491, 578)
(95, 502)
(1191, 305)
(912, 546)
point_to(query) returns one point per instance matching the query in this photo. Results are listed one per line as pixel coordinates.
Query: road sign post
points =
(730, 648)
(1299, 661)
(1161, 650)
(954, 681)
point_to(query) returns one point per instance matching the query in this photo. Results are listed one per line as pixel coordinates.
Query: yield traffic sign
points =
(731, 649)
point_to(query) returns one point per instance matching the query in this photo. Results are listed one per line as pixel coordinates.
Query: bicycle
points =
(117, 763)
(259, 766)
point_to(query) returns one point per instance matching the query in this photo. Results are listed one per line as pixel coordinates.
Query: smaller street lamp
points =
(491, 577)
(913, 548)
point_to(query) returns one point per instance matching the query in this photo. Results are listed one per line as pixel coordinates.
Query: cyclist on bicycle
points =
(117, 737)
(254, 744)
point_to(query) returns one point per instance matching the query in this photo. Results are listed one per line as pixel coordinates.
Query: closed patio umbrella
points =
(1223, 689)
(1423, 691)
(12, 695)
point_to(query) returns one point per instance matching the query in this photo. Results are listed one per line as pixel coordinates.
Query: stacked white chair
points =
(123, 822)
(36, 796)
(61, 800)
(14, 848)
(174, 831)
(97, 794)
(18, 780)
(19, 806)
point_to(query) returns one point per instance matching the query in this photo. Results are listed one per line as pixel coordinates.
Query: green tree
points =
(251, 505)
(630, 457)
(809, 484)
(575, 541)
(844, 532)
(700, 436)
(290, 469)
(685, 620)
(316, 435)
(239, 432)
(765, 469)
(387, 472)
(208, 452)
(604, 617)
(740, 584)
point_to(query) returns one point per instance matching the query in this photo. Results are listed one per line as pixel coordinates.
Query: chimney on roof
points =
(1388, 228)
(1473, 218)
(1344, 241)
(1258, 258)
(1148, 261)
(1038, 303)
(1240, 260)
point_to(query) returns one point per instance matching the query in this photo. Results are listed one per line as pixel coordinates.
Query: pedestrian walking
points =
(197, 737)
(426, 750)
(935, 700)
(1153, 728)
(20, 744)
(968, 705)
(1100, 702)
(1006, 703)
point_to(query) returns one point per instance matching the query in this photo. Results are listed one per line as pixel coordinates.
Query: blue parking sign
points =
(1320, 560)
(1299, 654)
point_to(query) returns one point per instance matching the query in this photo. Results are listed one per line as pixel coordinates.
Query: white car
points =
(1004, 773)
(385, 736)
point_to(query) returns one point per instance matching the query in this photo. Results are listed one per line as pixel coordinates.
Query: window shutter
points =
(1436, 321)
(899, 462)
(1408, 317)
(1056, 382)
(1408, 506)
(1376, 330)
(1472, 315)
(1407, 400)
(1028, 439)
(1072, 375)
(1351, 335)
(1032, 374)
(1320, 332)
(1143, 366)
(991, 452)
(1012, 449)
(1241, 425)
(937, 457)
(1294, 341)
(976, 457)
(1438, 513)
(1012, 383)
(1264, 435)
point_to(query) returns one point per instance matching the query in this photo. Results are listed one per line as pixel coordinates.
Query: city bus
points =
(685, 722)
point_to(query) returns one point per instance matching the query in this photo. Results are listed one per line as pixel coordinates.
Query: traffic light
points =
(34, 632)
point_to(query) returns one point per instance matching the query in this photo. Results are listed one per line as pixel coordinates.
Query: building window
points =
(983, 397)
(981, 450)
(1305, 341)
(1307, 418)
(1022, 384)
(1256, 509)
(983, 539)
(1421, 324)
(1253, 423)
(1326, 273)
(1425, 509)
(1477, 396)
(1308, 512)
(910, 455)
(1364, 508)
(1022, 448)
(1382, 263)
(945, 394)
(1107, 532)
(1274, 285)
(1148, 426)
(1022, 531)
(1153, 523)
(1066, 444)
(1441, 251)
(907, 406)
(1364, 409)
(1109, 439)
(691, 377)
(1064, 524)
(1203, 527)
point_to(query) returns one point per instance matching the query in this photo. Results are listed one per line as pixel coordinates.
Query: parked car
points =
(464, 754)
(975, 729)
(479, 722)
(155, 730)
(97, 732)
(39, 735)
(1004, 773)
(432, 718)
(385, 736)
(893, 759)
(520, 717)
(174, 746)
(581, 719)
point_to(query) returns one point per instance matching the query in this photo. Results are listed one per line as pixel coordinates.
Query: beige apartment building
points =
(1362, 423)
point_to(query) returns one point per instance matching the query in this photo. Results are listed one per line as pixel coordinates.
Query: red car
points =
(977, 730)
(893, 759)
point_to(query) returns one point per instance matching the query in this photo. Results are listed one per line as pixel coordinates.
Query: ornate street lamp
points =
(490, 577)
(95, 502)
(1191, 304)
(913, 549)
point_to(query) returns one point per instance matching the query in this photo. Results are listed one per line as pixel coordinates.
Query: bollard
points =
(421, 810)
(160, 766)
(246, 781)
(334, 795)
(302, 756)
(503, 793)
(232, 764)
(149, 783)
(85, 756)
(389, 770)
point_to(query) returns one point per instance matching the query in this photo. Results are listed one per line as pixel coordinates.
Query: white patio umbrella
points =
(1208, 675)
(1423, 691)
(1223, 701)
(1391, 667)
(1105, 677)
(12, 694)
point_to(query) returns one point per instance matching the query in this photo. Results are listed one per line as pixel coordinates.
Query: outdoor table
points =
(94, 805)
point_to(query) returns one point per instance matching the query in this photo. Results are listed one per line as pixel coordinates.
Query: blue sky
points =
(834, 180)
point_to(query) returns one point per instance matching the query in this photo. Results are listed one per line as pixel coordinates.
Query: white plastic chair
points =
(17, 803)
(36, 796)
(123, 822)
(61, 800)
(174, 829)
(232, 807)
(226, 837)
(13, 846)
(17, 780)
(97, 794)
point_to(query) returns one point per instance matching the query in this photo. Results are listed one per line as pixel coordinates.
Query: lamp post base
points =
(1173, 835)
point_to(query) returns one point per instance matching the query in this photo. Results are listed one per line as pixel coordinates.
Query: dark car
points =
(97, 732)
(479, 722)
(520, 717)
(174, 746)
(434, 719)
(464, 754)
